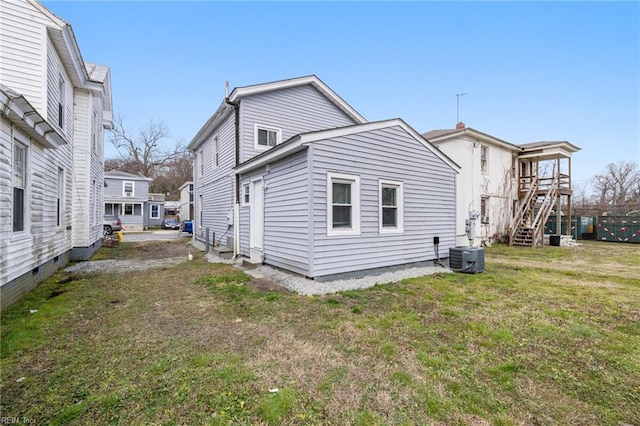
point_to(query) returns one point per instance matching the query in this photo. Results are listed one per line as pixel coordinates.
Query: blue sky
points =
(532, 70)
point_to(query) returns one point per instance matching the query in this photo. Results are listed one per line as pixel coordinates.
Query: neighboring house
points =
(495, 177)
(154, 211)
(304, 183)
(186, 201)
(127, 195)
(54, 108)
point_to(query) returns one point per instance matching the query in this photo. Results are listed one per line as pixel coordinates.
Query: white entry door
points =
(257, 220)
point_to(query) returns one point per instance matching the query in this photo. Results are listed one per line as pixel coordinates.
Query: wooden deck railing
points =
(562, 181)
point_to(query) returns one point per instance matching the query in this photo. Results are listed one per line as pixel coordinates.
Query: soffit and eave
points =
(24, 116)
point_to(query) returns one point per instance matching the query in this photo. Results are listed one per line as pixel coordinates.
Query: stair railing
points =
(544, 212)
(523, 206)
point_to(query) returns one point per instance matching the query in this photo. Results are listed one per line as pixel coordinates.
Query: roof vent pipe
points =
(226, 89)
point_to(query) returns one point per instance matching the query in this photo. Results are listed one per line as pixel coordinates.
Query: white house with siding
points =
(54, 108)
(486, 183)
(186, 201)
(288, 174)
(494, 179)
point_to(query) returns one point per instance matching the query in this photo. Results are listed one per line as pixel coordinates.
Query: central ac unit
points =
(469, 260)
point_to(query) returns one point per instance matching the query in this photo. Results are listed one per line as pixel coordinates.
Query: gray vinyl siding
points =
(216, 184)
(149, 221)
(286, 214)
(429, 201)
(294, 110)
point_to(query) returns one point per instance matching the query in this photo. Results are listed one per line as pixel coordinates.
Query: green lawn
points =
(546, 336)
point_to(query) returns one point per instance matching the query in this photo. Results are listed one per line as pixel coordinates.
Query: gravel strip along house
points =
(288, 174)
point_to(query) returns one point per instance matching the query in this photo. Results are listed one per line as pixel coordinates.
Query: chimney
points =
(460, 125)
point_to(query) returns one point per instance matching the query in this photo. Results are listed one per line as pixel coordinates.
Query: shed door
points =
(257, 215)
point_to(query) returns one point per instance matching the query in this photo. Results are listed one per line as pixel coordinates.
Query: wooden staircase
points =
(527, 227)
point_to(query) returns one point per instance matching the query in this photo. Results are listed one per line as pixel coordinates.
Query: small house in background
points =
(154, 211)
(186, 201)
(305, 183)
(54, 108)
(506, 191)
(127, 195)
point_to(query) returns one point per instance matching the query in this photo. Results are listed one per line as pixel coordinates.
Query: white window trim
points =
(257, 127)
(399, 229)
(243, 202)
(200, 163)
(486, 158)
(215, 158)
(26, 208)
(151, 216)
(355, 204)
(133, 188)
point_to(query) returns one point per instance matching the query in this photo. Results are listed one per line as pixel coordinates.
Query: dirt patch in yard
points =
(158, 249)
(264, 284)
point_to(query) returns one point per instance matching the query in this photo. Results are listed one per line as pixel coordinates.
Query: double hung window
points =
(19, 185)
(343, 206)
(391, 212)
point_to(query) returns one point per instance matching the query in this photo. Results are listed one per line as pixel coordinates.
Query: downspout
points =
(236, 204)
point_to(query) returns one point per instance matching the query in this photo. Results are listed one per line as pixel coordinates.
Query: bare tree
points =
(143, 153)
(618, 187)
(172, 176)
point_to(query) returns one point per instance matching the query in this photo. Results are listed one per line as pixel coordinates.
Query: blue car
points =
(187, 226)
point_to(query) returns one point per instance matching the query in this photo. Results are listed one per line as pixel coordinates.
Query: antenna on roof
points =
(458, 95)
(226, 89)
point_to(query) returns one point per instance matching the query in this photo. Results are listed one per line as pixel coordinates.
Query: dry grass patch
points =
(200, 343)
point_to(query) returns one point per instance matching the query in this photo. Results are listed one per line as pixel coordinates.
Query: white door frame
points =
(256, 221)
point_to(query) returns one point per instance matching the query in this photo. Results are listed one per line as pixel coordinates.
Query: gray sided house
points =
(154, 211)
(289, 174)
(127, 195)
(349, 199)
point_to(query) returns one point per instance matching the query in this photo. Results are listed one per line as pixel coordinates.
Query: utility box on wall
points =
(469, 260)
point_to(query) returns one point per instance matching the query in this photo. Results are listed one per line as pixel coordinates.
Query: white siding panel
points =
(497, 183)
(43, 239)
(82, 182)
(429, 200)
(96, 173)
(55, 70)
(22, 30)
